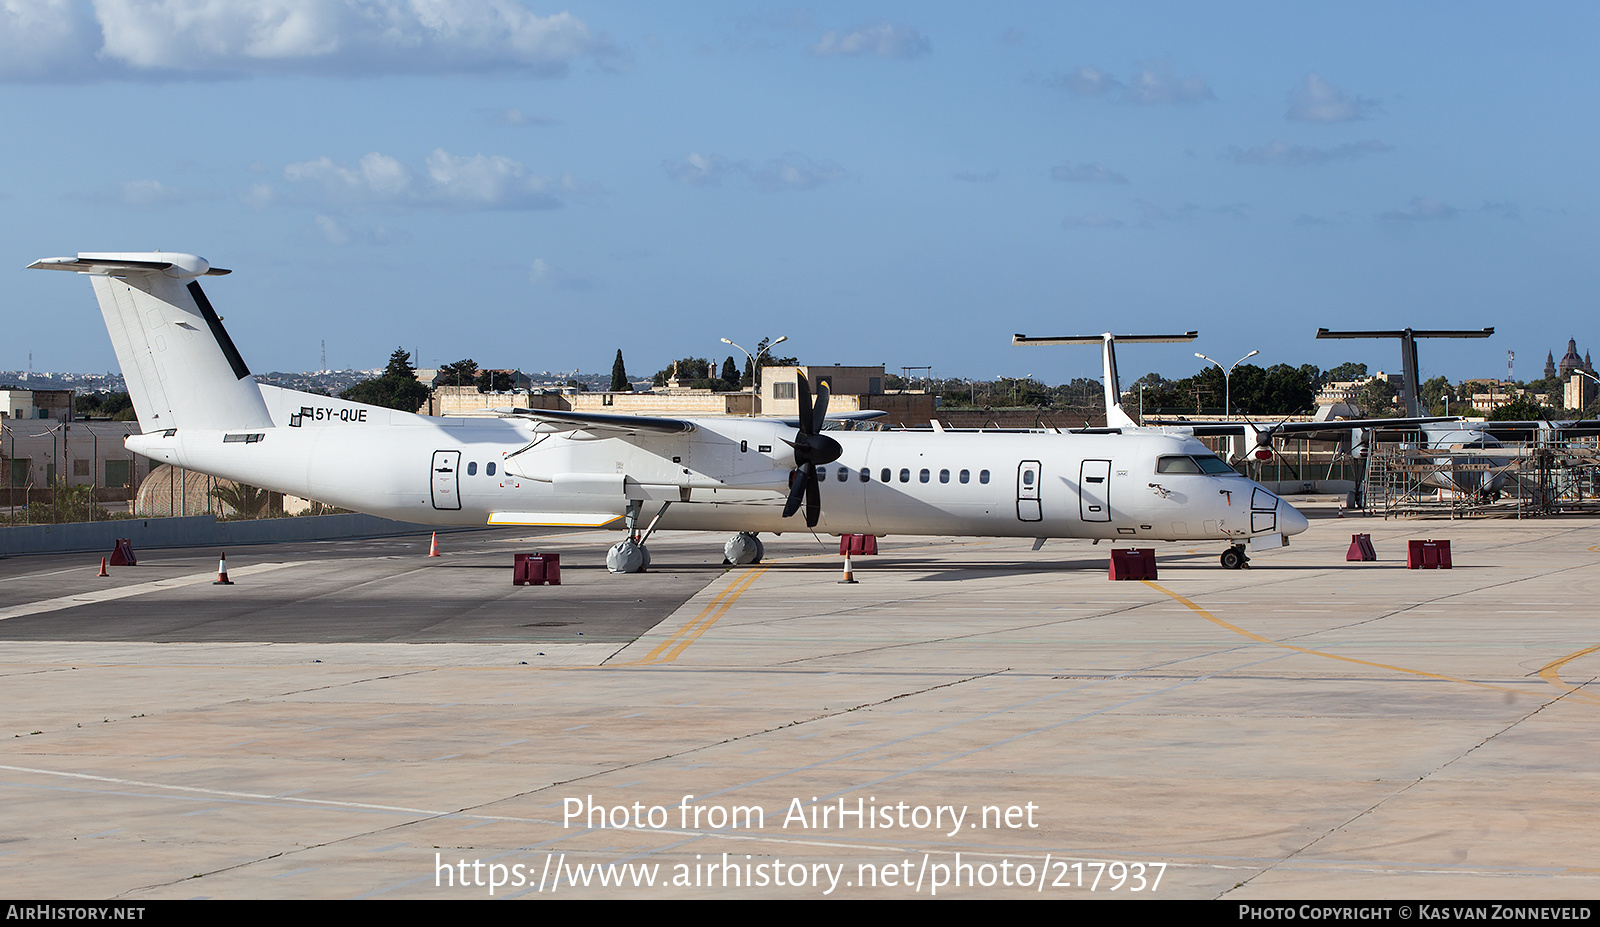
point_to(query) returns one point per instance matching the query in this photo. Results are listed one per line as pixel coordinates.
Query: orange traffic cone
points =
(103, 567)
(848, 578)
(222, 571)
(433, 547)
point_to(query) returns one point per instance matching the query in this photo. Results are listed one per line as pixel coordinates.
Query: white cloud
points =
(1319, 101)
(1282, 153)
(511, 116)
(468, 182)
(790, 172)
(543, 273)
(880, 40)
(1086, 173)
(333, 230)
(1097, 220)
(78, 39)
(795, 172)
(1423, 209)
(48, 39)
(1152, 83)
(700, 170)
(1505, 210)
(150, 194)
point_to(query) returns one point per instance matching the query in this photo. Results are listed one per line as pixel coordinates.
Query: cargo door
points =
(1094, 490)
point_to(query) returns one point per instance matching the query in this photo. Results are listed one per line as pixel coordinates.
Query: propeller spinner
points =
(811, 450)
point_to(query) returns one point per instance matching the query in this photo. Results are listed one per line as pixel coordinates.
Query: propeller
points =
(811, 449)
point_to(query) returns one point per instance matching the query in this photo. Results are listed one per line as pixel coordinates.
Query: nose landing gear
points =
(1234, 558)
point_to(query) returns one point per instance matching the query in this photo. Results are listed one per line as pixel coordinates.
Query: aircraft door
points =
(1028, 505)
(1094, 490)
(445, 482)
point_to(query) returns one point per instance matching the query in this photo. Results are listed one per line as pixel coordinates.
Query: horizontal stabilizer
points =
(1097, 339)
(126, 263)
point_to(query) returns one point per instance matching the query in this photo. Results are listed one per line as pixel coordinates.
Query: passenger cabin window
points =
(472, 468)
(944, 476)
(923, 476)
(983, 476)
(844, 474)
(966, 476)
(884, 474)
(905, 476)
(488, 468)
(866, 475)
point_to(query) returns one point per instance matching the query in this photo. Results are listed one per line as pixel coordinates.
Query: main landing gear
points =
(1234, 558)
(629, 555)
(742, 548)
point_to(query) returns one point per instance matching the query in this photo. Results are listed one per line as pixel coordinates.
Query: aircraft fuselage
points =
(732, 474)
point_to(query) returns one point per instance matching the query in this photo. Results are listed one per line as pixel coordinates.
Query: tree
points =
(397, 388)
(400, 365)
(1379, 396)
(619, 375)
(1345, 373)
(463, 372)
(730, 373)
(494, 381)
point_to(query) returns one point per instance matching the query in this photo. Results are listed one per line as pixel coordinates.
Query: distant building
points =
(51, 404)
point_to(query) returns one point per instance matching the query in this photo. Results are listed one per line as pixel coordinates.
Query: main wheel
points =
(1232, 558)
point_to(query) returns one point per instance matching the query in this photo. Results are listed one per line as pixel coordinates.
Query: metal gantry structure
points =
(1540, 478)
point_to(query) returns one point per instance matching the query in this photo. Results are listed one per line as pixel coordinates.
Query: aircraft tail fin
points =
(181, 368)
(1116, 416)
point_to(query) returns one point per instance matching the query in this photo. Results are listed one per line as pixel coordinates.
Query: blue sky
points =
(539, 185)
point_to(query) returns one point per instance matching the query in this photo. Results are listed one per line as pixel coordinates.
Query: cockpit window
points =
(1208, 463)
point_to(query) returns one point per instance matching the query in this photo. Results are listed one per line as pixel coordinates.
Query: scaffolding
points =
(1517, 479)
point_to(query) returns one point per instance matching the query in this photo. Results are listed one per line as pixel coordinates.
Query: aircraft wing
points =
(1350, 424)
(1263, 431)
(861, 416)
(601, 422)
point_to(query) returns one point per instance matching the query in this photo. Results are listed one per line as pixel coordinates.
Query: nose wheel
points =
(1234, 558)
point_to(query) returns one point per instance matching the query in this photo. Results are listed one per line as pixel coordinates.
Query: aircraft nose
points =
(1290, 521)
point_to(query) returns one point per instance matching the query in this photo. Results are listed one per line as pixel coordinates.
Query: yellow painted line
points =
(1551, 672)
(1332, 656)
(669, 649)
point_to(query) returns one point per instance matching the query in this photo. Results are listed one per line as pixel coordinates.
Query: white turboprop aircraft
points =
(1261, 434)
(200, 408)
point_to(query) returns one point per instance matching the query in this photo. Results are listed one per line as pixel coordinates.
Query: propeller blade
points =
(819, 413)
(803, 395)
(813, 499)
(798, 480)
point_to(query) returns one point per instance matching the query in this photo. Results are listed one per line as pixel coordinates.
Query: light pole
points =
(1227, 380)
(755, 366)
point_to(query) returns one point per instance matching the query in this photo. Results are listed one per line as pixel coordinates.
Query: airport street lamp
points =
(1227, 380)
(755, 366)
